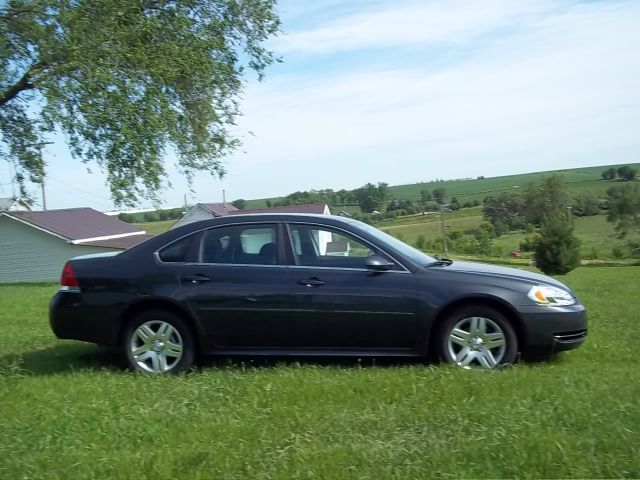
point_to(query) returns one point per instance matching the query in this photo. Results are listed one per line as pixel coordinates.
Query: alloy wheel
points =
(477, 342)
(156, 346)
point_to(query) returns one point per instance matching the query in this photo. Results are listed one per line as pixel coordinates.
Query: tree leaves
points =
(624, 207)
(128, 81)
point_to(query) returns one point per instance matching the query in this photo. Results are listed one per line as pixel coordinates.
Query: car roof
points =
(173, 234)
(271, 217)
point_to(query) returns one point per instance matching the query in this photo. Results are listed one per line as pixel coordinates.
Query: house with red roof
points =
(35, 245)
(206, 211)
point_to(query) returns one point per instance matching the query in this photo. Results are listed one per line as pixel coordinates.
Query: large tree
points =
(548, 196)
(624, 207)
(372, 197)
(627, 173)
(126, 81)
(506, 208)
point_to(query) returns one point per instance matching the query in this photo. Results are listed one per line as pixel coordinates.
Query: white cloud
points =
(561, 92)
(409, 23)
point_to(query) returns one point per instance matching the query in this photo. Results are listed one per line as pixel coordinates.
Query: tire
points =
(158, 342)
(477, 337)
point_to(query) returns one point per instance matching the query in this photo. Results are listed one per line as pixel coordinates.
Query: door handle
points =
(198, 278)
(311, 282)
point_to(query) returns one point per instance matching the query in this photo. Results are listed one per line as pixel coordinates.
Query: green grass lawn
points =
(155, 228)
(69, 412)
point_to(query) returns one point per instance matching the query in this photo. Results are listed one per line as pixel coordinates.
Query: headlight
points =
(544, 295)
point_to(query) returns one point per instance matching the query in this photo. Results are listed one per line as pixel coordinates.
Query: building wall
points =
(196, 214)
(31, 255)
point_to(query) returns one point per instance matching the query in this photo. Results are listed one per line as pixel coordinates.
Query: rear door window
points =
(241, 244)
(180, 251)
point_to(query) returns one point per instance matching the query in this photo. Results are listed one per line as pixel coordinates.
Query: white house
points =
(35, 245)
(205, 211)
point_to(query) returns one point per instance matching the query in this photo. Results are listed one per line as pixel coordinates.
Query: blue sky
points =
(408, 91)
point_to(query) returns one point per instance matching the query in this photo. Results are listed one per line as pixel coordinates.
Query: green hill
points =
(579, 179)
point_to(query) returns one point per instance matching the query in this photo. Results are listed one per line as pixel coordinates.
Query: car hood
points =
(503, 272)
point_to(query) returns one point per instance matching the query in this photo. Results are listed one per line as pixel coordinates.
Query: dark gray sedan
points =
(278, 284)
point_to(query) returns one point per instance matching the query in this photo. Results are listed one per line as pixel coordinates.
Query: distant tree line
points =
(154, 216)
(375, 201)
(624, 173)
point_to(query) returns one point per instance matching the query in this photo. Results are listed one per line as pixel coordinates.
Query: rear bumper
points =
(71, 319)
(553, 329)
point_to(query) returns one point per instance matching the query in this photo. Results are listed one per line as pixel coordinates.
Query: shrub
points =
(528, 244)
(634, 248)
(455, 234)
(421, 242)
(557, 250)
(151, 216)
(500, 228)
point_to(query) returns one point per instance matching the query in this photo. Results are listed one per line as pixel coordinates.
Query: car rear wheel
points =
(158, 342)
(478, 337)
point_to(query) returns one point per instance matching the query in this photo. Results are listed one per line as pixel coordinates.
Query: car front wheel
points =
(478, 338)
(158, 342)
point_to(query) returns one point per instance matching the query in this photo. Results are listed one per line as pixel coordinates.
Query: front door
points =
(338, 303)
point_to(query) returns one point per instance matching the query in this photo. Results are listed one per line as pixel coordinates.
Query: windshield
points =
(414, 254)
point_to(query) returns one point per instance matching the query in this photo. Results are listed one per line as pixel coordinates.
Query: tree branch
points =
(21, 85)
(8, 13)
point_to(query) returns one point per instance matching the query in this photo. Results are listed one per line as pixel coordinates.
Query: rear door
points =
(239, 287)
(337, 303)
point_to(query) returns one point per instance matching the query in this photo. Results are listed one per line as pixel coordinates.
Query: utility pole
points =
(224, 198)
(44, 196)
(444, 231)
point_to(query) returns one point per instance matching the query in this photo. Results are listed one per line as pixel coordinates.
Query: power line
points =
(75, 191)
(75, 187)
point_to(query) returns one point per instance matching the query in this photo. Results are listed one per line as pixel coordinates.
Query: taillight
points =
(68, 280)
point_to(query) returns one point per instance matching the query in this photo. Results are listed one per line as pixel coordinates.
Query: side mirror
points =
(378, 263)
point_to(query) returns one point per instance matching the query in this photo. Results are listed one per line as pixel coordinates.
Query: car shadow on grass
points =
(61, 358)
(78, 357)
(266, 362)
(263, 362)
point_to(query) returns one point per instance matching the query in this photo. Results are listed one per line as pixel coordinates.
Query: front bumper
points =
(553, 329)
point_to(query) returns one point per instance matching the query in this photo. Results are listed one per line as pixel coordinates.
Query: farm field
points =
(155, 228)
(68, 410)
(578, 179)
(598, 237)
